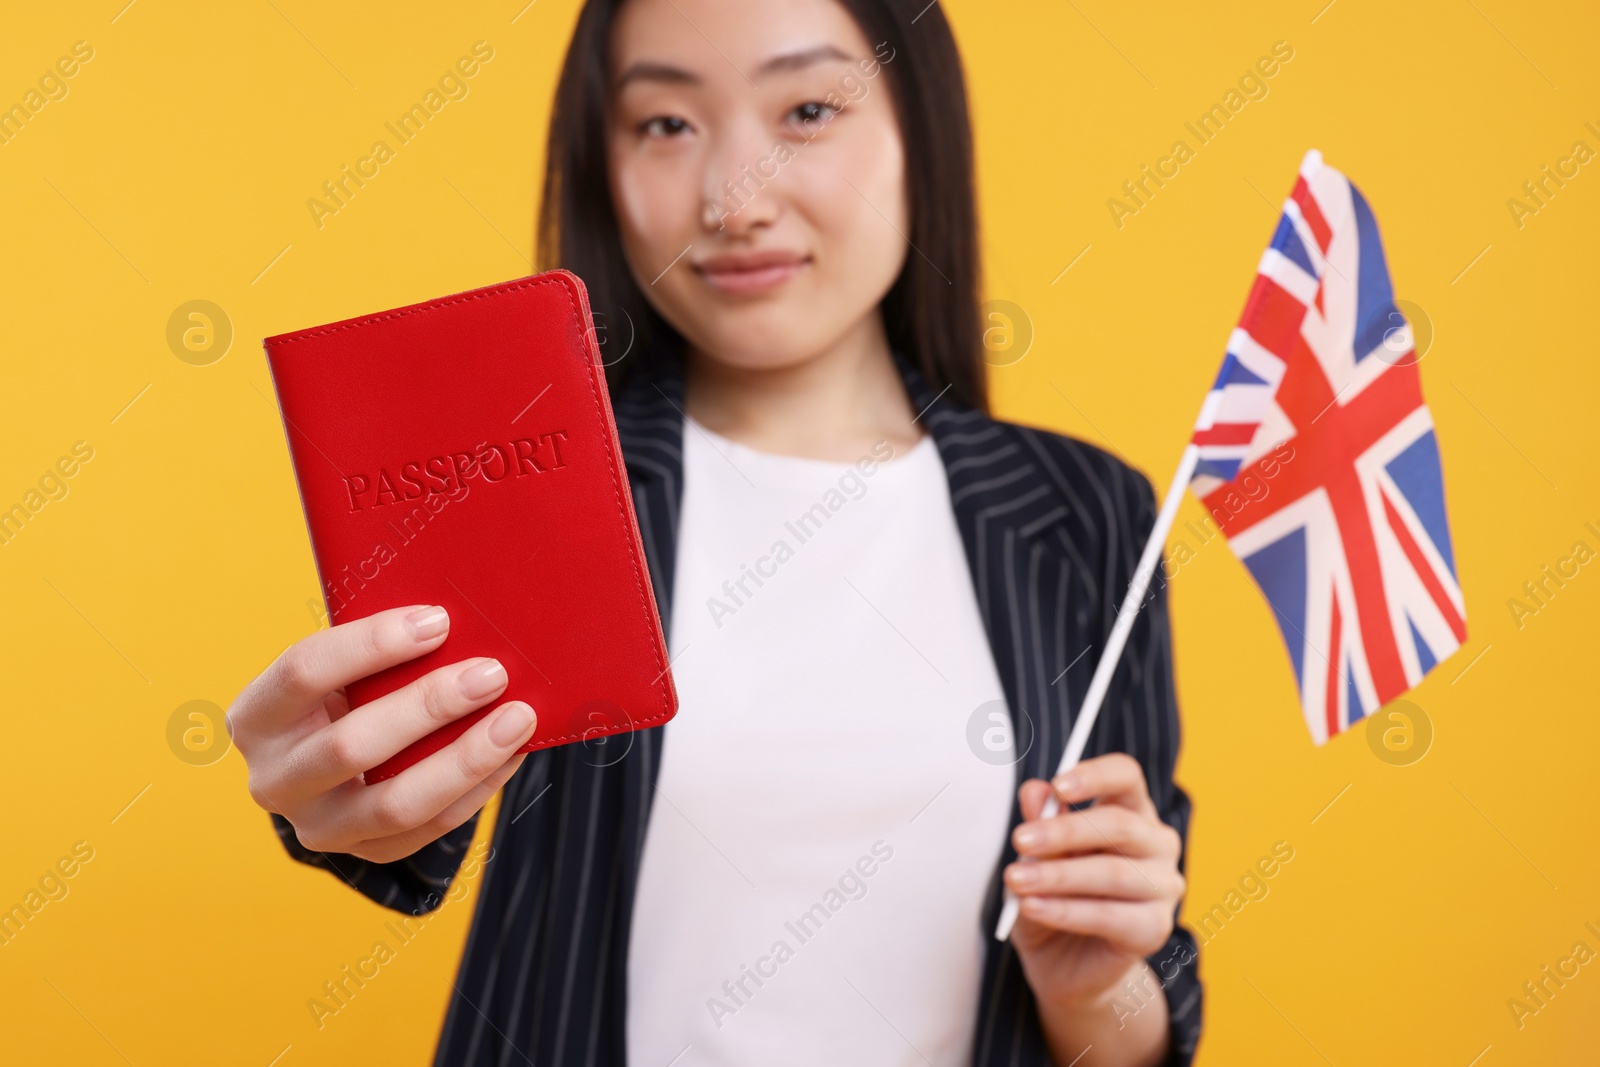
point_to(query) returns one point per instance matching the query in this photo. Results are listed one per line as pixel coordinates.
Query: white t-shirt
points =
(825, 822)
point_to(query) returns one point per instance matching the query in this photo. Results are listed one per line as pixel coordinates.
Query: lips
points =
(751, 272)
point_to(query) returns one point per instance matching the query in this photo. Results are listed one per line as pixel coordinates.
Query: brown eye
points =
(813, 113)
(664, 126)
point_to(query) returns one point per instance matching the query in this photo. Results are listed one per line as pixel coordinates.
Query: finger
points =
(370, 734)
(399, 846)
(1115, 778)
(1031, 798)
(1103, 875)
(319, 663)
(422, 791)
(1097, 829)
(1138, 929)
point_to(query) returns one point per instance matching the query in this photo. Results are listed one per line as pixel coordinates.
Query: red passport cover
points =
(462, 452)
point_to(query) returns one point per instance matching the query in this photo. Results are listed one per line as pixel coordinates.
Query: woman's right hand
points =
(306, 751)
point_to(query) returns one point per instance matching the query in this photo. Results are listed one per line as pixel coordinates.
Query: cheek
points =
(852, 193)
(654, 200)
(861, 173)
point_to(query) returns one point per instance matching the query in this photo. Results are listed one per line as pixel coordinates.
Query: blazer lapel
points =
(1011, 515)
(649, 418)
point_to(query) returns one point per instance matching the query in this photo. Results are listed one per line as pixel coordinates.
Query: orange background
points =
(177, 167)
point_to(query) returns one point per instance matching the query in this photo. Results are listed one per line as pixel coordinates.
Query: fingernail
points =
(1067, 783)
(511, 724)
(428, 623)
(1022, 875)
(483, 679)
(1026, 837)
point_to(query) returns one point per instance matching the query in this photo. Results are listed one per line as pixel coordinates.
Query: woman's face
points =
(758, 174)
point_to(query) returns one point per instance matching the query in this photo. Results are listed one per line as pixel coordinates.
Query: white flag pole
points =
(1107, 666)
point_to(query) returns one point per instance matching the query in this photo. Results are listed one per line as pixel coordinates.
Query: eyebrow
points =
(648, 70)
(800, 60)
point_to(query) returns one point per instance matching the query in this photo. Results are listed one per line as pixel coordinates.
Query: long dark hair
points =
(931, 312)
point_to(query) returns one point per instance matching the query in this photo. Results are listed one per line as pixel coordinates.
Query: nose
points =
(740, 192)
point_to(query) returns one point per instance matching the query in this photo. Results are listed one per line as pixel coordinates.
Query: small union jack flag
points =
(1317, 458)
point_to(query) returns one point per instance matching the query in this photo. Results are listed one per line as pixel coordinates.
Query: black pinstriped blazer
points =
(1052, 528)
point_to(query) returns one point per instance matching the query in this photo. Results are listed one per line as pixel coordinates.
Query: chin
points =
(746, 356)
(762, 341)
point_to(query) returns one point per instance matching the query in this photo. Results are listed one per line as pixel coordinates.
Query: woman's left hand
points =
(1099, 887)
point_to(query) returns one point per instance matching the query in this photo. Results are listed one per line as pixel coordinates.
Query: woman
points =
(877, 599)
